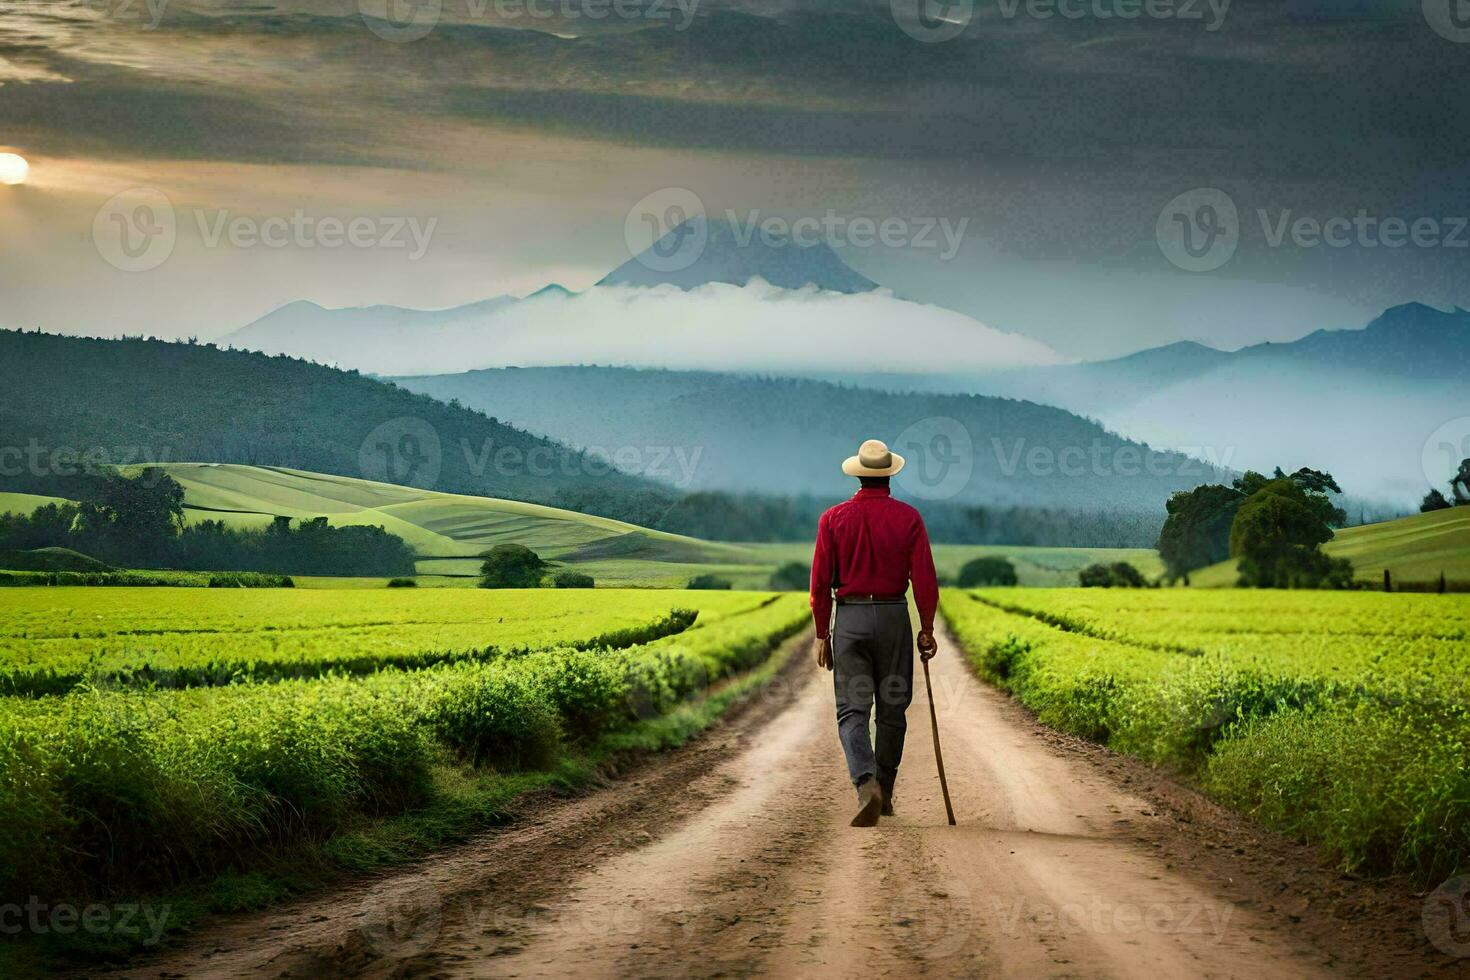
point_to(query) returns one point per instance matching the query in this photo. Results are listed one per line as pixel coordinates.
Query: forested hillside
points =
(70, 403)
(787, 436)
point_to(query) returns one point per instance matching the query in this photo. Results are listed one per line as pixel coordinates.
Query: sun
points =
(13, 168)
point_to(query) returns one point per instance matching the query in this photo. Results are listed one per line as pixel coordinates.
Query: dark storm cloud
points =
(1282, 91)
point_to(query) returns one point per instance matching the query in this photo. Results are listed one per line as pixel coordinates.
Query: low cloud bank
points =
(756, 327)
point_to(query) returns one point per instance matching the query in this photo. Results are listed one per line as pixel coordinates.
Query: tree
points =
(1434, 500)
(1276, 534)
(987, 571)
(708, 581)
(1197, 530)
(573, 580)
(1118, 575)
(1460, 485)
(794, 576)
(511, 566)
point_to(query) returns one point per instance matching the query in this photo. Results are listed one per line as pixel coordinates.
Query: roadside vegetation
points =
(1341, 718)
(123, 789)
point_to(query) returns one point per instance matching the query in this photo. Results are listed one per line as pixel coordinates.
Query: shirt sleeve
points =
(822, 578)
(921, 573)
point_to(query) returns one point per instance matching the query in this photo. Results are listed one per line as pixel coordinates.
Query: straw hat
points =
(873, 459)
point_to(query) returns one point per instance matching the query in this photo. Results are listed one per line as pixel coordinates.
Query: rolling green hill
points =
(446, 530)
(1413, 549)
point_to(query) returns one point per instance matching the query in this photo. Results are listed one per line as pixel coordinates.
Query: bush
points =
(1434, 500)
(403, 583)
(511, 566)
(1118, 575)
(987, 571)
(51, 560)
(794, 576)
(494, 714)
(573, 580)
(708, 581)
(250, 580)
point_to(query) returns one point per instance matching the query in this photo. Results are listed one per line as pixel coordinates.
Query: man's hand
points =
(823, 649)
(928, 646)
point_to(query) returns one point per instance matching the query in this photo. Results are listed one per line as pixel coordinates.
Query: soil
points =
(732, 857)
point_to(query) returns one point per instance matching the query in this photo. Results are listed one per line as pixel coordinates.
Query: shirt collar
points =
(867, 492)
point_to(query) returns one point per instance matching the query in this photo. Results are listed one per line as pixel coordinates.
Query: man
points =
(868, 550)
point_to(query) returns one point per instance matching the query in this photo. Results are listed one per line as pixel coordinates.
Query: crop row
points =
(104, 789)
(1361, 744)
(132, 637)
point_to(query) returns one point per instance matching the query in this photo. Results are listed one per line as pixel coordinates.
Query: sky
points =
(1127, 173)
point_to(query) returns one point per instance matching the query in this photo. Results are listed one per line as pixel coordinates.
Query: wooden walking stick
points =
(938, 755)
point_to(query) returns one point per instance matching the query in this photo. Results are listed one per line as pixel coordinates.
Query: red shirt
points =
(878, 545)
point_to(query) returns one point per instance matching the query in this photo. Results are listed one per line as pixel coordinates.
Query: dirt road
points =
(733, 857)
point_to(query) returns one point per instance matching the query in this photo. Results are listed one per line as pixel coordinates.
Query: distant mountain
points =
(1360, 403)
(396, 340)
(1412, 341)
(318, 333)
(66, 400)
(712, 431)
(701, 251)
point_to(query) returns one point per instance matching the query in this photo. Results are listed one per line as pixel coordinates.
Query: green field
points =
(1415, 549)
(52, 641)
(1341, 717)
(113, 788)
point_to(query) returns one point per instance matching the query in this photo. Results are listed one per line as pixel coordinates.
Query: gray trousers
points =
(873, 663)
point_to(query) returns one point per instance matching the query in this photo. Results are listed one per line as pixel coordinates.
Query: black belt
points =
(870, 600)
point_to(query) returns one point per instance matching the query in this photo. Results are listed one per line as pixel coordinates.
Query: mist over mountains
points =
(731, 300)
(1358, 402)
(788, 436)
